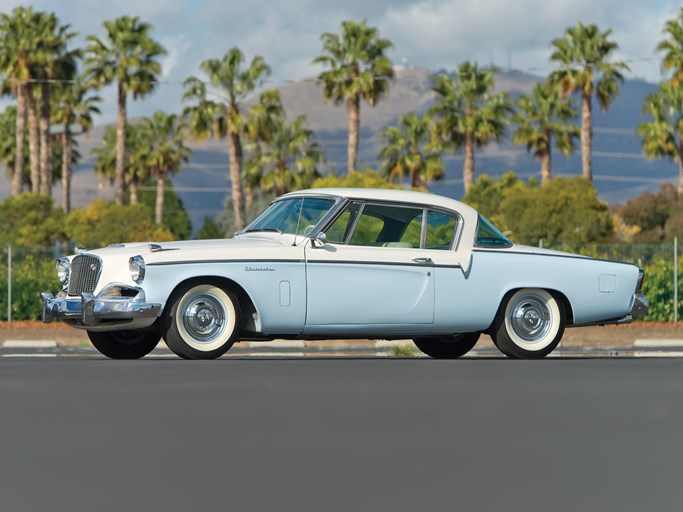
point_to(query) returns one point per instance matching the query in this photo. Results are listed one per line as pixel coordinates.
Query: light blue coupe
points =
(342, 263)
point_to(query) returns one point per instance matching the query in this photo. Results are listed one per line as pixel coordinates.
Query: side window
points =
(440, 230)
(388, 226)
(340, 228)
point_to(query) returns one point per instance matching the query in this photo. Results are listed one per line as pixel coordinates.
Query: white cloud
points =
(427, 33)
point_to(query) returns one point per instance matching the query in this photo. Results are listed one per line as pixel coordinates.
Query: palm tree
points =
(264, 120)
(356, 67)
(467, 113)
(223, 118)
(73, 106)
(54, 62)
(17, 45)
(8, 150)
(135, 168)
(408, 152)
(129, 56)
(541, 117)
(582, 55)
(672, 46)
(290, 158)
(663, 135)
(165, 151)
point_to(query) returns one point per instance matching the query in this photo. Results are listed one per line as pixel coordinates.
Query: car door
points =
(372, 275)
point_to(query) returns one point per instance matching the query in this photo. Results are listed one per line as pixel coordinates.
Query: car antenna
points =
(298, 221)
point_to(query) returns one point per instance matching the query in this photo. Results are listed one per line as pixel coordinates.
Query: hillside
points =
(620, 172)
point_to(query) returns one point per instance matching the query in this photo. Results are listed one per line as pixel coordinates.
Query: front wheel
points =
(529, 325)
(447, 347)
(202, 322)
(132, 344)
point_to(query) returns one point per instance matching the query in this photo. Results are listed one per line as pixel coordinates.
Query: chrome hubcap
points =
(531, 319)
(204, 318)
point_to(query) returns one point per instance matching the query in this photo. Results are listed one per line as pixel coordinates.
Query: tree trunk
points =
(468, 164)
(120, 173)
(680, 166)
(45, 146)
(353, 107)
(545, 159)
(161, 190)
(20, 127)
(133, 187)
(33, 141)
(235, 152)
(66, 171)
(586, 135)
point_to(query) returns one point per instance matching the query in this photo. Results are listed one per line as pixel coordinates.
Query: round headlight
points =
(63, 270)
(137, 268)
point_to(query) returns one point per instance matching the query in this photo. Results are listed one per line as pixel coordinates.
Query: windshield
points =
(489, 236)
(297, 215)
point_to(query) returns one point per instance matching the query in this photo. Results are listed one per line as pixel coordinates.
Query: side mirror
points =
(319, 241)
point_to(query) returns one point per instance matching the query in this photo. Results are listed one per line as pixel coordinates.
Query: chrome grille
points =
(85, 271)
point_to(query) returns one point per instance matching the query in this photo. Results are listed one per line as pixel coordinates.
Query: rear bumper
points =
(639, 306)
(89, 310)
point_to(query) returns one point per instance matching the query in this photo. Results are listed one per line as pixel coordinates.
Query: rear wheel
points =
(529, 325)
(202, 322)
(447, 347)
(132, 344)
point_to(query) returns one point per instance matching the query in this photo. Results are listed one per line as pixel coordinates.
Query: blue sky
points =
(433, 34)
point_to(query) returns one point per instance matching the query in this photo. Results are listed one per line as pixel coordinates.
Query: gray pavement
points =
(565, 434)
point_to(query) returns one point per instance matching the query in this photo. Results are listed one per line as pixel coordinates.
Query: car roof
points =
(399, 196)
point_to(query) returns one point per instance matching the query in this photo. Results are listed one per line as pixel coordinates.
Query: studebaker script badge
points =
(258, 269)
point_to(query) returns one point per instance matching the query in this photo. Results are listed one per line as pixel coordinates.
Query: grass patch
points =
(403, 351)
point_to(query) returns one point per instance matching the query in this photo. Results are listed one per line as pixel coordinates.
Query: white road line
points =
(652, 343)
(654, 353)
(267, 354)
(275, 344)
(29, 344)
(28, 355)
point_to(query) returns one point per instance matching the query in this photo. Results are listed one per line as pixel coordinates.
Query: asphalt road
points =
(348, 435)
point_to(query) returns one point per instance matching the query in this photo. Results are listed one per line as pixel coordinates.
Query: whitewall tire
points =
(202, 322)
(529, 325)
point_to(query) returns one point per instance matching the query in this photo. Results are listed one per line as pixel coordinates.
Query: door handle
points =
(424, 261)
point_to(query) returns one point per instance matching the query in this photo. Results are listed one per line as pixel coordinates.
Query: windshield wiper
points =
(254, 230)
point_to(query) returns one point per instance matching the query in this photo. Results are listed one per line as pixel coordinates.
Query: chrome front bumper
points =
(89, 310)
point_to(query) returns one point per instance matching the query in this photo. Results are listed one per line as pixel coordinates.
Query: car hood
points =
(199, 249)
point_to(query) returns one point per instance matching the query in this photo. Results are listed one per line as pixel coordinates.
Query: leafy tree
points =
(357, 67)
(542, 117)
(651, 213)
(563, 211)
(663, 135)
(30, 220)
(163, 151)
(467, 112)
(672, 47)
(407, 152)
(223, 118)
(130, 57)
(210, 230)
(355, 179)
(582, 55)
(487, 194)
(101, 224)
(72, 106)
